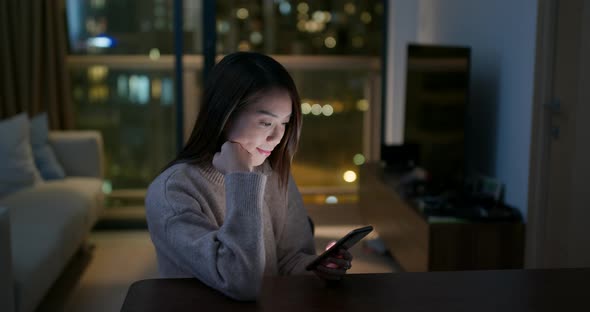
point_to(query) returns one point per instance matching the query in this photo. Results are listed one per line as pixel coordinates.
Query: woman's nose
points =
(275, 135)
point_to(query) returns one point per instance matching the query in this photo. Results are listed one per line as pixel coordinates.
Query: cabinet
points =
(420, 244)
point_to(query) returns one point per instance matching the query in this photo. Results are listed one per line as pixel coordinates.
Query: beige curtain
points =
(33, 73)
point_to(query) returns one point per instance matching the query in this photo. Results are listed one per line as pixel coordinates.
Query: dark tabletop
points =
(507, 290)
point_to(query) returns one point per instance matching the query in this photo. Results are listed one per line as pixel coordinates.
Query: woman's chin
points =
(259, 161)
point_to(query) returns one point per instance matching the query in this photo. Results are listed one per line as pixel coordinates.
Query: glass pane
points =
(332, 135)
(133, 123)
(134, 111)
(344, 27)
(130, 27)
(123, 85)
(334, 98)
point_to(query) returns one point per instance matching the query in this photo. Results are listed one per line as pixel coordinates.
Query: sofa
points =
(42, 226)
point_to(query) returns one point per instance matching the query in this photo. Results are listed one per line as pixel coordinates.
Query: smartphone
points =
(345, 242)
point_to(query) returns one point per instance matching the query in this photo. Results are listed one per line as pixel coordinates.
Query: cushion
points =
(70, 191)
(48, 223)
(17, 166)
(45, 159)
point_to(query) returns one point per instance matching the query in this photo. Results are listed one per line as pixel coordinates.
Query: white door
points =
(559, 210)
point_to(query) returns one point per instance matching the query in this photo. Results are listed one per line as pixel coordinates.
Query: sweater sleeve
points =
(229, 258)
(296, 246)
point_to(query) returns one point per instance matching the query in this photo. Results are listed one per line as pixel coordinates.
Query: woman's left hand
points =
(334, 267)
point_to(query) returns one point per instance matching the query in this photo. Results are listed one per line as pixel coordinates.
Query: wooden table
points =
(509, 290)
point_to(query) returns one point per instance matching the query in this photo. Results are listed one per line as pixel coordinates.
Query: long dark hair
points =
(236, 81)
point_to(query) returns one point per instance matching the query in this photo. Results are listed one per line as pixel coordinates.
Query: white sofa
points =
(41, 227)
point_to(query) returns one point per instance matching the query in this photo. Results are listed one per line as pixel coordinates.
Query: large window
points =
(122, 67)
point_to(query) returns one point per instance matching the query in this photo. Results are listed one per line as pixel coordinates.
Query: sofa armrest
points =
(7, 281)
(80, 152)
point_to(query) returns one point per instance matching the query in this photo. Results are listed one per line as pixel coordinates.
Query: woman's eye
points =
(266, 124)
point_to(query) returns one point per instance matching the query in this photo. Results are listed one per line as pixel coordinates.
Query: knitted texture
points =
(227, 231)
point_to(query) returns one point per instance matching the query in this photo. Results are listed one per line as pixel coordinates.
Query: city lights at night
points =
(134, 107)
(331, 200)
(349, 176)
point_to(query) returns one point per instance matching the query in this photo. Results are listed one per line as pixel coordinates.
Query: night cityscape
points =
(135, 108)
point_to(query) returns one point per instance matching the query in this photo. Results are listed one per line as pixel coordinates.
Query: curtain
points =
(33, 49)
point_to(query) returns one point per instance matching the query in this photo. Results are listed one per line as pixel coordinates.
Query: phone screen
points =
(345, 242)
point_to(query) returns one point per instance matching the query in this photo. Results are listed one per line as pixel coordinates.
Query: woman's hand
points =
(232, 158)
(334, 267)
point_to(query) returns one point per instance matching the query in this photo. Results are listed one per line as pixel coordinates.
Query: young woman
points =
(227, 210)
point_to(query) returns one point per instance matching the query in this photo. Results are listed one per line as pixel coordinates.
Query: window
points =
(122, 67)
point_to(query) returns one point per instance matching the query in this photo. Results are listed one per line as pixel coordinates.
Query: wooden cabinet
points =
(421, 245)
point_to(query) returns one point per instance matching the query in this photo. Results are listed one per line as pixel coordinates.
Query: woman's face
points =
(260, 127)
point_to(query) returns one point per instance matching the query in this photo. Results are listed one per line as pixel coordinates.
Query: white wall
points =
(502, 36)
(402, 25)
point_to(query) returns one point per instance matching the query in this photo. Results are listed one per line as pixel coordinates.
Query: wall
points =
(502, 36)
(401, 28)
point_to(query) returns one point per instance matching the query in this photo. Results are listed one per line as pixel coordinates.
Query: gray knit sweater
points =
(227, 231)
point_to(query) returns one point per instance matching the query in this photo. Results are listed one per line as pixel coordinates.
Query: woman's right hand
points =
(335, 266)
(232, 158)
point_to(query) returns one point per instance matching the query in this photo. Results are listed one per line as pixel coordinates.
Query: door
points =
(559, 210)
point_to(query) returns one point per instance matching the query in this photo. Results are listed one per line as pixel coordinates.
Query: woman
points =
(227, 210)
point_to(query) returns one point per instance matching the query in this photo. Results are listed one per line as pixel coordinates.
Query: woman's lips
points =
(263, 152)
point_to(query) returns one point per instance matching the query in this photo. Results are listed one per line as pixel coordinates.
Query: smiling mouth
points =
(263, 152)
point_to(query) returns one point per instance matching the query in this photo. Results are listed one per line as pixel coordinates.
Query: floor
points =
(100, 274)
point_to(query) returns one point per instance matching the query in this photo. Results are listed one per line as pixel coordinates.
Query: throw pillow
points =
(17, 166)
(45, 158)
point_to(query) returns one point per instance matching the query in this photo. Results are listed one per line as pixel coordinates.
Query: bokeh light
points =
(362, 105)
(316, 109)
(358, 159)
(331, 200)
(349, 176)
(242, 13)
(330, 42)
(305, 108)
(302, 7)
(154, 54)
(327, 110)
